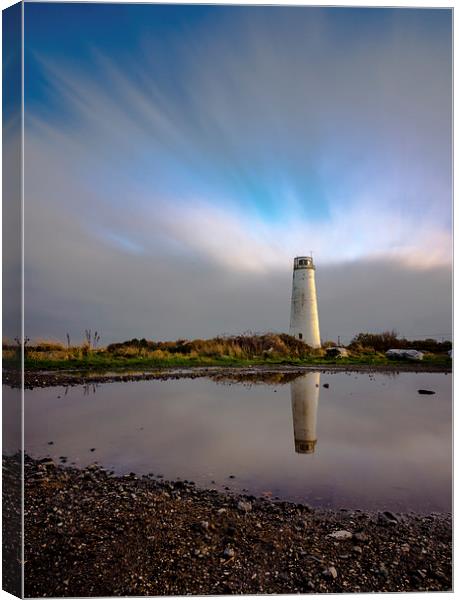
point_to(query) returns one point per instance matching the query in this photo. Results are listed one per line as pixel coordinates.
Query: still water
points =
(365, 441)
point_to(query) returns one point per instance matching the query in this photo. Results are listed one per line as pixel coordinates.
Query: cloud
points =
(272, 139)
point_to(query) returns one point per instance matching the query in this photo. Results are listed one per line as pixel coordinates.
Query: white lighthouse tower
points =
(304, 318)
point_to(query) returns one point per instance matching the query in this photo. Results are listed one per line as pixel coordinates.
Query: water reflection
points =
(304, 393)
(88, 388)
(198, 430)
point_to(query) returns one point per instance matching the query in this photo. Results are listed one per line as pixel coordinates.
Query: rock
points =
(360, 536)
(336, 352)
(388, 517)
(383, 570)
(426, 392)
(357, 549)
(228, 552)
(404, 354)
(341, 535)
(204, 524)
(330, 573)
(221, 511)
(244, 506)
(405, 548)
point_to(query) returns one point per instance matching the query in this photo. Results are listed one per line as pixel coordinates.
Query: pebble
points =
(244, 506)
(342, 534)
(331, 572)
(383, 571)
(388, 517)
(141, 529)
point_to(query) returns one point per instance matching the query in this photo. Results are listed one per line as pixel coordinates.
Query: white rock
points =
(244, 506)
(341, 535)
(404, 353)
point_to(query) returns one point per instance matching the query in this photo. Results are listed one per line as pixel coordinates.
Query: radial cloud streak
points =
(259, 135)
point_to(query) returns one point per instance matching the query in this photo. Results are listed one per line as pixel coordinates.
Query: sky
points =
(177, 158)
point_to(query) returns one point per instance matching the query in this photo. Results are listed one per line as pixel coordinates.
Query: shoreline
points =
(90, 533)
(257, 373)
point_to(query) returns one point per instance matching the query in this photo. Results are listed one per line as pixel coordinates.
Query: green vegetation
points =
(229, 351)
(382, 342)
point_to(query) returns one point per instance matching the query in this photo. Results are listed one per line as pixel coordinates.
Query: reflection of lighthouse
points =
(305, 399)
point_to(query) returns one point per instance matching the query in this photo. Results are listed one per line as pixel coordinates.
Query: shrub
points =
(381, 342)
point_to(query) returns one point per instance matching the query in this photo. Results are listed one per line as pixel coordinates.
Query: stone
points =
(360, 536)
(337, 352)
(405, 548)
(388, 517)
(357, 549)
(383, 571)
(228, 552)
(244, 506)
(341, 535)
(331, 572)
(407, 354)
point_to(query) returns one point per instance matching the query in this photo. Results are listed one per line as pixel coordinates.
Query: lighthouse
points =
(304, 318)
(304, 392)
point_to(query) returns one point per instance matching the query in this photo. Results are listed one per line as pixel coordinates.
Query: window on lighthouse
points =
(300, 335)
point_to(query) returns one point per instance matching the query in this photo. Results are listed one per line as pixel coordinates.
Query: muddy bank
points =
(89, 533)
(267, 374)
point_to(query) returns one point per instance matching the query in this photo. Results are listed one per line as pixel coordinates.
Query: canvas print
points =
(227, 299)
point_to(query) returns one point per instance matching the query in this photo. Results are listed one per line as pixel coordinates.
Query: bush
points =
(381, 342)
(238, 346)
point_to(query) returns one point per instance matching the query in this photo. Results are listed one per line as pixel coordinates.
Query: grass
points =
(107, 362)
(233, 351)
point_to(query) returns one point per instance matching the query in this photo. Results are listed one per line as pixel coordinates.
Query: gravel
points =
(92, 534)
